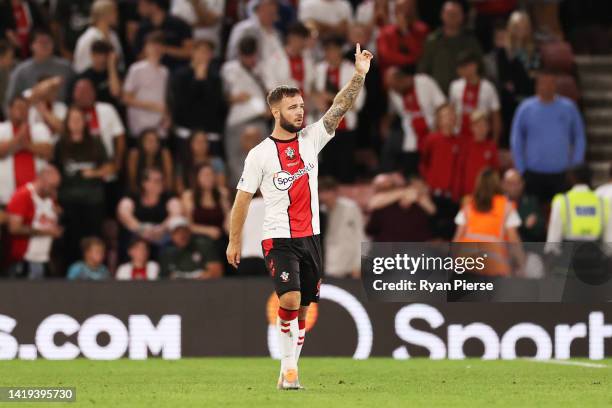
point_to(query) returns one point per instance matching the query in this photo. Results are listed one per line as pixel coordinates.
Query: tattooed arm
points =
(346, 97)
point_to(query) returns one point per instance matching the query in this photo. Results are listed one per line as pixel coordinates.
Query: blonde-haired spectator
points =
(104, 18)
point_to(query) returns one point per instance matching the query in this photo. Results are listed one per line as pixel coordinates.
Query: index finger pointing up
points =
(358, 50)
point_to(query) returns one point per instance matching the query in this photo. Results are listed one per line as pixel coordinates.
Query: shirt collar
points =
(580, 187)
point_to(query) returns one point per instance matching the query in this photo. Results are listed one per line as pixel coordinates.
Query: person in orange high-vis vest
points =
(489, 221)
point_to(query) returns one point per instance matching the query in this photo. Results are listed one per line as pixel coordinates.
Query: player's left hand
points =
(362, 60)
(233, 254)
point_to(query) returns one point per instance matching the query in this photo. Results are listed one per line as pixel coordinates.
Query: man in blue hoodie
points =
(547, 138)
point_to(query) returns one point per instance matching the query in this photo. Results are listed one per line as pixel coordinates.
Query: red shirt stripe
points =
(299, 210)
(23, 165)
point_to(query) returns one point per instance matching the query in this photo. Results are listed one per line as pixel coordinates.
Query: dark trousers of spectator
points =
(112, 193)
(410, 163)
(394, 158)
(338, 157)
(545, 185)
(28, 270)
(443, 221)
(252, 267)
(80, 220)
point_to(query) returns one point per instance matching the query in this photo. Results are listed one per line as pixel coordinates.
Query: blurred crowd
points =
(126, 124)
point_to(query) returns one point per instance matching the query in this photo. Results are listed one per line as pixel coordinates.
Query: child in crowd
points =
(470, 92)
(440, 155)
(139, 267)
(478, 153)
(439, 165)
(92, 266)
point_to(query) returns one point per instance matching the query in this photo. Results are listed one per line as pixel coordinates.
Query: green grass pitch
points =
(330, 382)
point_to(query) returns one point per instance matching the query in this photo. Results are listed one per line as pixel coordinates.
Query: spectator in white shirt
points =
(329, 17)
(605, 190)
(415, 99)
(376, 13)
(205, 16)
(294, 65)
(145, 89)
(331, 74)
(259, 26)
(103, 121)
(246, 93)
(139, 267)
(104, 18)
(472, 93)
(252, 260)
(344, 232)
(45, 108)
(24, 149)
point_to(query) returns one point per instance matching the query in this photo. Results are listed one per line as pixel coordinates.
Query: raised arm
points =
(237, 218)
(346, 97)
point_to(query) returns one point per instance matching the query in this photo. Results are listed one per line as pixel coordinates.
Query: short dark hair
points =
(298, 29)
(467, 57)
(547, 71)
(137, 240)
(38, 32)
(328, 183)
(333, 41)
(580, 174)
(162, 4)
(101, 47)
(88, 242)
(407, 70)
(155, 37)
(146, 174)
(247, 46)
(277, 94)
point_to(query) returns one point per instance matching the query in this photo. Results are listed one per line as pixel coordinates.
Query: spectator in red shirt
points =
(439, 166)
(478, 153)
(32, 225)
(402, 43)
(440, 159)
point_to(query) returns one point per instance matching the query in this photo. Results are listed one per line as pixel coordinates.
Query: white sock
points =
(300, 342)
(288, 331)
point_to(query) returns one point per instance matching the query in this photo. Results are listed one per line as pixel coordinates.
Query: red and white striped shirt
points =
(286, 173)
(35, 212)
(21, 167)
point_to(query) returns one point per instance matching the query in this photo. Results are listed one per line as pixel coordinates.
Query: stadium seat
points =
(557, 55)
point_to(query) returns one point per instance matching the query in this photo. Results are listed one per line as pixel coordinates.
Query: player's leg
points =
(283, 265)
(303, 312)
(310, 281)
(288, 332)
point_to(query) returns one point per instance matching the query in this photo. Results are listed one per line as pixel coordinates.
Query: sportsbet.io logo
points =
(283, 180)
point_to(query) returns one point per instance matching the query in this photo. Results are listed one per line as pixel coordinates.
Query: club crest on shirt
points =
(284, 277)
(290, 153)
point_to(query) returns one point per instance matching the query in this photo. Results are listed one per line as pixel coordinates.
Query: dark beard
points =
(289, 127)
